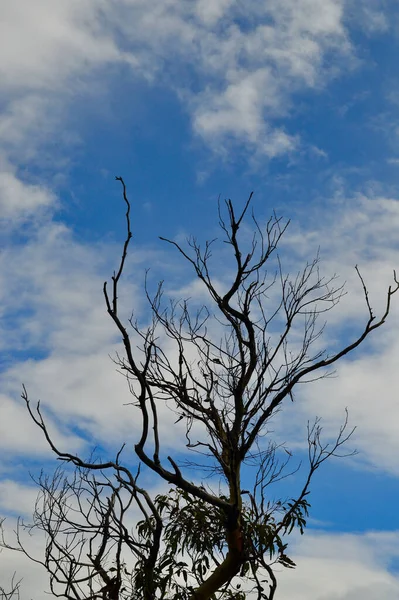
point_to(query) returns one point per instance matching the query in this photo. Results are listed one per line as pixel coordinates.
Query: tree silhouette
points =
(235, 363)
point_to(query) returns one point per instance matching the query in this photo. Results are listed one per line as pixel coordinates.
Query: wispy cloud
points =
(237, 67)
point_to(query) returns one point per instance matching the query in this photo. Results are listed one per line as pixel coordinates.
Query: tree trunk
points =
(226, 570)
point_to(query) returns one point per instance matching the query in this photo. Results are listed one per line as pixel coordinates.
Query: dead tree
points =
(235, 364)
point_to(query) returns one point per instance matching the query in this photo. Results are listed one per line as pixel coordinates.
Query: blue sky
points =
(296, 100)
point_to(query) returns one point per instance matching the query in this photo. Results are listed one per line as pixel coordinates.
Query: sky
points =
(295, 100)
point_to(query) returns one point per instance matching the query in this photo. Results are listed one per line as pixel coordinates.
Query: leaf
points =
(286, 561)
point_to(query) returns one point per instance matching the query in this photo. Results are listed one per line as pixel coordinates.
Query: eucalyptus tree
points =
(225, 368)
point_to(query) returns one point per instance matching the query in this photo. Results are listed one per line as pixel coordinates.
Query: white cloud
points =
(21, 437)
(239, 112)
(261, 67)
(248, 63)
(364, 385)
(342, 567)
(47, 53)
(19, 200)
(17, 498)
(42, 44)
(210, 11)
(248, 60)
(46, 276)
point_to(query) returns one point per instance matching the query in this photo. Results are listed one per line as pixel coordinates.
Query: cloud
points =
(238, 112)
(45, 276)
(20, 437)
(17, 498)
(342, 567)
(371, 16)
(45, 44)
(248, 63)
(210, 12)
(47, 54)
(257, 68)
(20, 200)
(236, 70)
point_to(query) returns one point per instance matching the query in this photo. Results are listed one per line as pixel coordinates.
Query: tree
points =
(236, 361)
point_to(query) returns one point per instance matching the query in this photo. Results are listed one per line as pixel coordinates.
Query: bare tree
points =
(236, 362)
